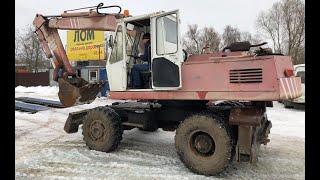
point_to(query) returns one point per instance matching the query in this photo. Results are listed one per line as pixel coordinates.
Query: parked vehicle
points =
(298, 103)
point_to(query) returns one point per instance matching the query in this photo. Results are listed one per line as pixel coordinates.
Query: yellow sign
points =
(84, 45)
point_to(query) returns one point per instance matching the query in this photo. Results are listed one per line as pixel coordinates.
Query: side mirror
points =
(110, 41)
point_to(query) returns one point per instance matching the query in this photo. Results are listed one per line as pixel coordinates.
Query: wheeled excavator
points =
(215, 102)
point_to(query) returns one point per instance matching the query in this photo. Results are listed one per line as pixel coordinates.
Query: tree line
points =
(283, 24)
(29, 52)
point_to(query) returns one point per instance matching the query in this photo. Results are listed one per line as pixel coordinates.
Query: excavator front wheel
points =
(102, 130)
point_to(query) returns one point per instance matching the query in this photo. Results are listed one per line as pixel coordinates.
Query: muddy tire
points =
(102, 130)
(204, 144)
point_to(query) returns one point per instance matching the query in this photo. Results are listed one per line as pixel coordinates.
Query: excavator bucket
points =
(77, 91)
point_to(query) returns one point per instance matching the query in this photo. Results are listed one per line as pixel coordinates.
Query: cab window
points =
(117, 51)
(167, 34)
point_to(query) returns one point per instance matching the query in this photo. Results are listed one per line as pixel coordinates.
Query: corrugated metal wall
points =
(32, 79)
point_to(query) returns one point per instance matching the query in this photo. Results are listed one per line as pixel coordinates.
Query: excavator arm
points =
(72, 89)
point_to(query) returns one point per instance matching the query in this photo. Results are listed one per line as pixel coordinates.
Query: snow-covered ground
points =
(45, 151)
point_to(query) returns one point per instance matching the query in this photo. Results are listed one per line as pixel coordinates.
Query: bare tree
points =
(284, 24)
(270, 23)
(230, 35)
(209, 37)
(28, 50)
(195, 39)
(17, 45)
(253, 39)
(191, 39)
(294, 26)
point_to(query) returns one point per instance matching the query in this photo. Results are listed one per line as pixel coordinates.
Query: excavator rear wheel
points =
(204, 144)
(102, 130)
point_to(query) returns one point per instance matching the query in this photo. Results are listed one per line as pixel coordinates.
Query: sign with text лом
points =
(85, 45)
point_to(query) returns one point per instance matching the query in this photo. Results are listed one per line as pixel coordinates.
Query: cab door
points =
(116, 64)
(166, 51)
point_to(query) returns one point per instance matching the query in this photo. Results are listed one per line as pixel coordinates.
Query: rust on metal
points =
(266, 132)
(243, 148)
(246, 116)
(73, 90)
(77, 91)
(202, 94)
(193, 95)
(101, 23)
(68, 94)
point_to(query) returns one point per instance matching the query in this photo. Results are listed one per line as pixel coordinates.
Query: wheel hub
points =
(202, 143)
(97, 130)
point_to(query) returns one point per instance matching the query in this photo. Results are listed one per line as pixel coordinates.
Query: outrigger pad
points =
(77, 91)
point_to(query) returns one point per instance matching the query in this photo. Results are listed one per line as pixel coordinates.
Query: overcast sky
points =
(216, 13)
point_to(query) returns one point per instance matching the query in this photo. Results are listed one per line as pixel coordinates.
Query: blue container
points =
(103, 76)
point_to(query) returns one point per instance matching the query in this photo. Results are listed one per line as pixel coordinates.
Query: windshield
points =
(131, 45)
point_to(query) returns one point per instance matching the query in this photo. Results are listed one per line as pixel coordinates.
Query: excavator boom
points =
(72, 89)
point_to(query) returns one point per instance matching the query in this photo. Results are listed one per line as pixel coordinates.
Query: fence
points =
(32, 79)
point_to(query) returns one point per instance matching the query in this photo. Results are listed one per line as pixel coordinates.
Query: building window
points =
(93, 76)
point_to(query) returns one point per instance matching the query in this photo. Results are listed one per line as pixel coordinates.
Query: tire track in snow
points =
(40, 126)
(80, 169)
(33, 150)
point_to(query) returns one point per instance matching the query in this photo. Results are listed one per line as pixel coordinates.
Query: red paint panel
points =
(202, 94)
(283, 63)
(209, 78)
(183, 95)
